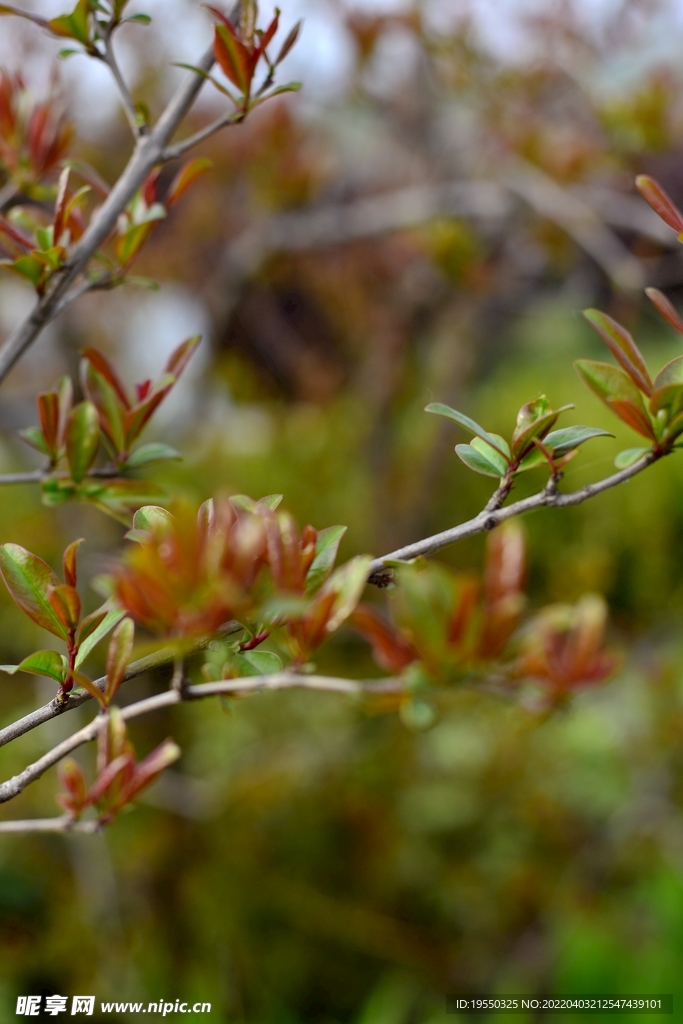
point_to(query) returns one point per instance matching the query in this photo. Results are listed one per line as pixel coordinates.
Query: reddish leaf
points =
(106, 370)
(181, 356)
(60, 205)
(622, 346)
(48, 409)
(186, 177)
(233, 57)
(653, 193)
(29, 579)
(391, 649)
(66, 604)
(69, 562)
(618, 392)
(118, 656)
(665, 308)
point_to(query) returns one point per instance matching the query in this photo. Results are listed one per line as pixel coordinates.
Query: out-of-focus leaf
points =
(153, 452)
(289, 42)
(41, 663)
(75, 25)
(629, 456)
(29, 579)
(445, 410)
(118, 496)
(55, 491)
(148, 770)
(326, 548)
(347, 583)
(476, 461)
(616, 389)
(568, 438)
(622, 346)
(118, 656)
(186, 177)
(665, 308)
(653, 193)
(82, 439)
(153, 518)
(247, 504)
(94, 628)
(232, 57)
(257, 663)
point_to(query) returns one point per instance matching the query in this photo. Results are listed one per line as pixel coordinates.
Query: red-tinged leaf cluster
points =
(146, 209)
(38, 249)
(56, 607)
(187, 574)
(120, 776)
(563, 646)
(122, 416)
(447, 621)
(34, 136)
(651, 407)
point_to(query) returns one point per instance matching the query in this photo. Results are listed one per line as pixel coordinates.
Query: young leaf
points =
(186, 177)
(153, 452)
(629, 456)
(326, 548)
(347, 583)
(94, 628)
(69, 562)
(82, 439)
(568, 438)
(257, 663)
(445, 410)
(153, 518)
(41, 663)
(75, 25)
(118, 657)
(288, 43)
(67, 605)
(233, 57)
(653, 193)
(618, 392)
(29, 579)
(665, 308)
(622, 346)
(476, 461)
(148, 770)
(491, 455)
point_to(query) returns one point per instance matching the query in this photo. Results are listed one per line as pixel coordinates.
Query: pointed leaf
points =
(665, 308)
(34, 436)
(67, 605)
(75, 25)
(28, 579)
(69, 562)
(289, 42)
(232, 57)
(653, 193)
(41, 663)
(118, 656)
(445, 410)
(326, 548)
(622, 346)
(186, 177)
(618, 392)
(181, 356)
(672, 373)
(347, 583)
(94, 628)
(568, 438)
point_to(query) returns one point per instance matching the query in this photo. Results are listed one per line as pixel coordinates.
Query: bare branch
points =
(147, 153)
(36, 476)
(180, 148)
(64, 824)
(109, 58)
(277, 681)
(489, 518)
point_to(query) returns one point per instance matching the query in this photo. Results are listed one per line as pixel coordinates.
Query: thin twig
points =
(180, 148)
(63, 824)
(277, 681)
(102, 283)
(109, 58)
(36, 476)
(147, 154)
(166, 656)
(488, 519)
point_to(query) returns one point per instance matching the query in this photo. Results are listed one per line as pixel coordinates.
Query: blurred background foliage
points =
(423, 224)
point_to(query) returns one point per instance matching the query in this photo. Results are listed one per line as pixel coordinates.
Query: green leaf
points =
(57, 492)
(94, 628)
(348, 583)
(35, 437)
(119, 496)
(491, 455)
(247, 504)
(28, 579)
(257, 663)
(42, 663)
(618, 392)
(532, 460)
(153, 452)
(139, 19)
(82, 439)
(672, 373)
(75, 25)
(568, 438)
(66, 53)
(326, 548)
(476, 461)
(153, 519)
(629, 456)
(118, 656)
(445, 410)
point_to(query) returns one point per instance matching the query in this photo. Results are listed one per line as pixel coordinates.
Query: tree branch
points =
(36, 476)
(277, 681)
(180, 148)
(109, 58)
(147, 153)
(489, 518)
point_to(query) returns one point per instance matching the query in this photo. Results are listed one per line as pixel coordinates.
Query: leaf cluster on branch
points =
(238, 580)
